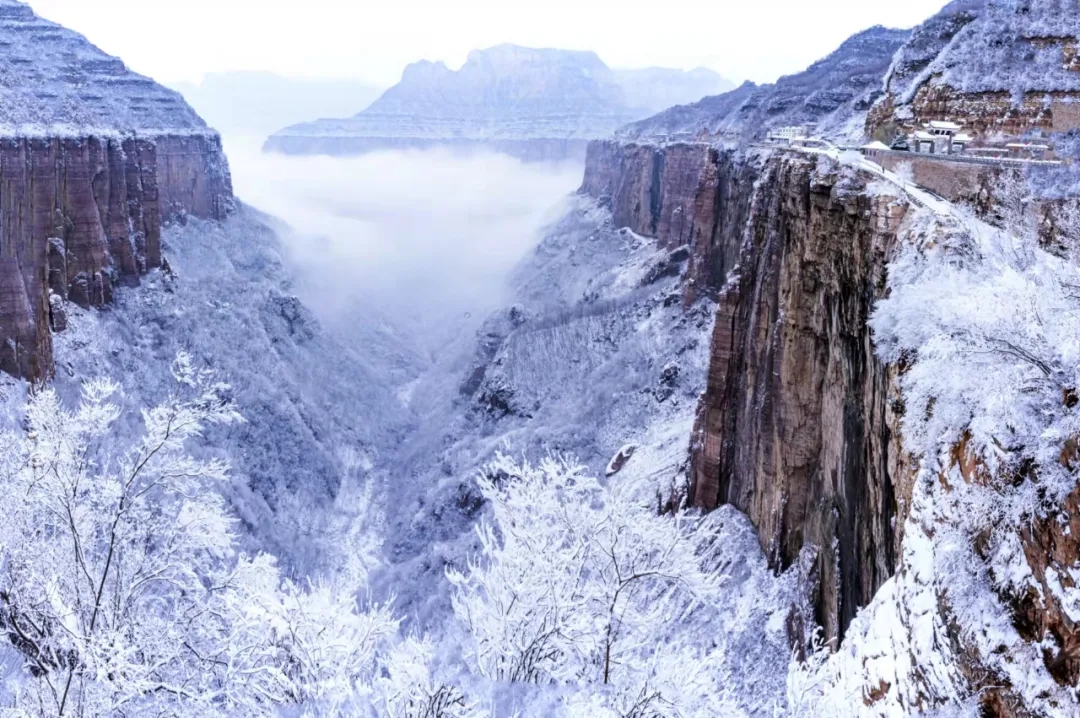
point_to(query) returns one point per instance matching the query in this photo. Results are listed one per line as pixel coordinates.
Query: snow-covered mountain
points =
(94, 158)
(787, 434)
(833, 95)
(1002, 69)
(55, 83)
(531, 103)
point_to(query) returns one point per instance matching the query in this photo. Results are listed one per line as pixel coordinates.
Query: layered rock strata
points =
(93, 158)
(798, 425)
(1001, 68)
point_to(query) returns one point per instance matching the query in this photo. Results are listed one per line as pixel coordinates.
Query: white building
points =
(939, 137)
(791, 135)
(875, 150)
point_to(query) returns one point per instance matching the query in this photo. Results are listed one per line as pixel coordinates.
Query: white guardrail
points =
(966, 159)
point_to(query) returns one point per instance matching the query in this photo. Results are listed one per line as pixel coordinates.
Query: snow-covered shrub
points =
(983, 325)
(121, 585)
(988, 326)
(578, 585)
(409, 686)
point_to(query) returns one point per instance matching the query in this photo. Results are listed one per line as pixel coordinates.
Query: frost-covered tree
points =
(409, 686)
(578, 584)
(121, 584)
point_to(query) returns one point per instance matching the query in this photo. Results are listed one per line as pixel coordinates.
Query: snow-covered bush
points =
(983, 325)
(409, 686)
(578, 585)
(121, 584)
(987, 324)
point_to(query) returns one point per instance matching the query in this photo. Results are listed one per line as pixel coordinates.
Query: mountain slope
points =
(55, 83)
(833, 94)
(1000, 67)
(319, 417)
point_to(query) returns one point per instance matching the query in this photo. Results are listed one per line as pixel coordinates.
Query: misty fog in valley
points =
(517, 359)
(426, 238)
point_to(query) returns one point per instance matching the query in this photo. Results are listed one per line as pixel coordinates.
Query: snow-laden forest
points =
(357, 528)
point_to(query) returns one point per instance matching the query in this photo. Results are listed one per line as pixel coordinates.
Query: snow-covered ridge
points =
(1001, 68)
(55, 83)
(832, 94)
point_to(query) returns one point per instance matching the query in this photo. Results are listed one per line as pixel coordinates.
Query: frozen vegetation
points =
(383, 479)
(1013, 46)
(249, 491)
(983, 322)
(226, 300)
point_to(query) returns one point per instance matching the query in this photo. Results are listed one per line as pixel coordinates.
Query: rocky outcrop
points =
(193, 176)
(78, 216)
(93, 158)
(797, 426)
(534, 104)
(1000, 68)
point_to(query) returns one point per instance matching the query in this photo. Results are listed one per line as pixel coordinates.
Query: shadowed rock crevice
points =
(78, 216)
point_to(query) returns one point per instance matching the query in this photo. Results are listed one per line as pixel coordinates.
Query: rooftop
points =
(939, 125)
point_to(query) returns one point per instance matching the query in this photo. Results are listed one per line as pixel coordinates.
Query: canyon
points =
(728, 332)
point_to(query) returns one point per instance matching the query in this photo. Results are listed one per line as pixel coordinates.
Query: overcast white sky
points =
(374, 39)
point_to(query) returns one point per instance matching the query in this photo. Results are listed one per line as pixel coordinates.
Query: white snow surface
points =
(366, 443)
(1013, 46)
(320, 417)
(988, 322)
(55, 83)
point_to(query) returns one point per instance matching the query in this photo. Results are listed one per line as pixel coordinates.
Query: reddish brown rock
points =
(797, 426)
(78, 215)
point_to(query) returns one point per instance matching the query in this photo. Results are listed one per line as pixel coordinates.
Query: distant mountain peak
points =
(539, 102)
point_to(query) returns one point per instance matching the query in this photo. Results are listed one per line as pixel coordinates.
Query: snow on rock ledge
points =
(93, 158)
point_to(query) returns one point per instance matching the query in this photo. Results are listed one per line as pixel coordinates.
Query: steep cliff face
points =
(797, 425)
(93, 158)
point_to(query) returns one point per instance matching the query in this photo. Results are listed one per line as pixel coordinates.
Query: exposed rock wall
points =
(797, 427)
(79, 215)
(955, 181)
(193, 176)
(990, 114)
